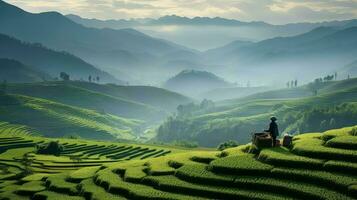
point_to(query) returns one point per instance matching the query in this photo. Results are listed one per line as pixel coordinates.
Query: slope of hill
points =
(50, 61)
(316, 52)
(231, 93)
(68, 93)
(53, 119)
(193, 83)
(128, 49)
(238, 118)
(15, 72)
(157, 97)
(317, 166)
(350, 70)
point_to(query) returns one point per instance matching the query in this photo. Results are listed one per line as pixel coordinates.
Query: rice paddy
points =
(316, 167)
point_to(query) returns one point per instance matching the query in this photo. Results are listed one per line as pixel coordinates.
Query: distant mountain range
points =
(302, 51)
(120, 52)
(193, 82)
(165, 20)
(206, 33)
(304, 56)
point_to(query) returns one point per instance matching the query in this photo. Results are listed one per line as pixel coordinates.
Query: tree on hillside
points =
(228, 144)
(329, 78)
(98, 78)
(64, 76)
(90, 78)
(52, 148)
(315, 86)
(207, 104)
(288, 84)
(3, 88)
(296, 83)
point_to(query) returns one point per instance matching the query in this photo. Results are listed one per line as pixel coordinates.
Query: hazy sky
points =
(273, 11)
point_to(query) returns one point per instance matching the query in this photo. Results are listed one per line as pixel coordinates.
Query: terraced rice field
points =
(317, 166)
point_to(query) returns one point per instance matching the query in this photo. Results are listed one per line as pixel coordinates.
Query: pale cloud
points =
(273, 11)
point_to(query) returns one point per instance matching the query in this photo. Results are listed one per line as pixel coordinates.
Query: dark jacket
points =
(273, 129)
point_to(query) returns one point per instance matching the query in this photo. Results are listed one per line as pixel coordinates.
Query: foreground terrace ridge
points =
(311, 169)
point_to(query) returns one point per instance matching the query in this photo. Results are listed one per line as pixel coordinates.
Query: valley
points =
(112, 100)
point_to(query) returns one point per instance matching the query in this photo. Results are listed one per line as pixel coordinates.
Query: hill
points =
(15, 72)
(317, 166)
(124, 51)
(236, 119)
(193, 82)
(221, 94)
(50, 61)
(68, 93)
(157, 97)
(138, 102)
(54, 119)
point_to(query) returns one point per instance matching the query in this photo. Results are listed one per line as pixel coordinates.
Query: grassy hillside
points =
(54, 119)
(220, 94)
(69, 93)
(157, 97)
(317, 166)
(15, 72)
(237, 119)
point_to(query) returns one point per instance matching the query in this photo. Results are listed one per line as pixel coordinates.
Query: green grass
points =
(283, 157)
(31, 188)
(54, 196)
(240, 164)
(272, 173)
(70, 94)
(91, 191)
(58, 183)
(344, 142)
(83, 173)
(50, 119)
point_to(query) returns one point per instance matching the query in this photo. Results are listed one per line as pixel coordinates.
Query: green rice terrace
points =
(317, 166)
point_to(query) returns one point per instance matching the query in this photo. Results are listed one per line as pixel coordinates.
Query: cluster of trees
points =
(292, 84)
(66, 77)
(228, 144)
(318, 83)
(188, 110)
(319, 119)
(93, 79)
(52, 148)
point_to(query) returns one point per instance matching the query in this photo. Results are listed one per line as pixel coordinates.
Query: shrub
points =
(353, 131)
(228, 144)
(52, 148)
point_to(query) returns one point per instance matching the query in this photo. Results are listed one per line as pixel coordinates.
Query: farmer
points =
(273, 129)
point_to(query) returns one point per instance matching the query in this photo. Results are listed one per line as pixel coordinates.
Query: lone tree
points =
(90, 78)
(296, 83)
(98, 78)
(64, 76)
